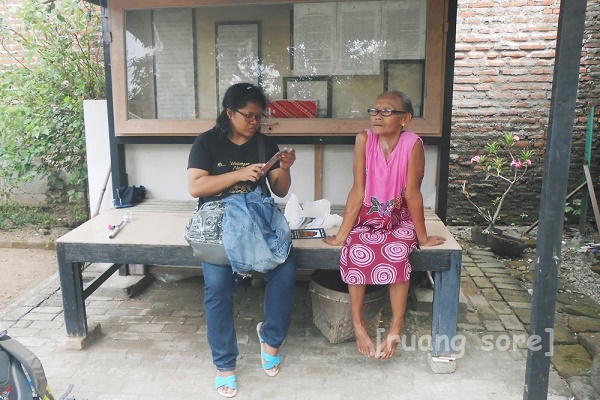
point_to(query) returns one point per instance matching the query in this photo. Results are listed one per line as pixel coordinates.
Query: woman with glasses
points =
(384, 219)
(224, 161)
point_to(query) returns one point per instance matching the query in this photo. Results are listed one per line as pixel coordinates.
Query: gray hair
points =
(406, 101)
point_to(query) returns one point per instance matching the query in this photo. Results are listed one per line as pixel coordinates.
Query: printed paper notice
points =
(238, 59)
(173, 37)
(359, 32)
(403, 30)
(314, 38)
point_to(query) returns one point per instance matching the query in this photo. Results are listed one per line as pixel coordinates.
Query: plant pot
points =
(505, 245)
(478, 236)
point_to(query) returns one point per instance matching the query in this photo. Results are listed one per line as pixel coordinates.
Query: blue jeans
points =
(219, 285)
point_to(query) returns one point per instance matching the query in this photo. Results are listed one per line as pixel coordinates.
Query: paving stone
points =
(499, 273)
(562, 335)
(35, 316)
(523, 314)
(492, 294)
(517, 355)
(501, 307)
(468, 287)
(503, 279)
(487, 313)
(515, 295)
(582, 388)
(493, 326)
(518, 304)
(491, 265)
(520, 340)
(582, 311)
(595, 374)
(508, 285)
(483, 282)
(584, 324)
(470, 327)
(575, 299)
(474, 271)
(511, 322)
(591, 342)
(478, 300)
(479, 252)
(571, 360)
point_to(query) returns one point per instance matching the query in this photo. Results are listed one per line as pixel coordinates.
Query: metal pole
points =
(565, 82)
(444, 144)
(117, 151)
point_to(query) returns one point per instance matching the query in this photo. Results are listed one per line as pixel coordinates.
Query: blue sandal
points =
(227, 381)
(268, 361)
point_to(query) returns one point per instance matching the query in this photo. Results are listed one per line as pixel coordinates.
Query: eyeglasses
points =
(384, 113)
(251, 118)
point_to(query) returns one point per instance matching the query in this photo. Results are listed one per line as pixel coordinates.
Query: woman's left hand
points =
(286, 159)
(432, 241)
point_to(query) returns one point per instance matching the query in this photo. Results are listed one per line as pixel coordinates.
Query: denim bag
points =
(256, 235)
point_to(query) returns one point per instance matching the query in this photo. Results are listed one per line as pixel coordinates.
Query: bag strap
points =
(29, 361)
(262, 158)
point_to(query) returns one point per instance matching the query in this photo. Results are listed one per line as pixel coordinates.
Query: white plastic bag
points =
(312, 214)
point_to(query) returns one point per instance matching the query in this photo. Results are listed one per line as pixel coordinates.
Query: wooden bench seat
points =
(154, 236)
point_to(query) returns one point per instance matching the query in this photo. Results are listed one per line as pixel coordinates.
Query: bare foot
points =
(388, 346)
(224, 390)
(364, 344)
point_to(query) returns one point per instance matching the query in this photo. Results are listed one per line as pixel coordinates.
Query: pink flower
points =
(528, 163)
(475, 159)
(516, 138)
(516, 163)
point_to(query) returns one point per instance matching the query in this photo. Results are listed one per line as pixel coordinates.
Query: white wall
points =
(162, 168)
(98, 155)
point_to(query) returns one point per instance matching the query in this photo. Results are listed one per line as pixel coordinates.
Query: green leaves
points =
(42, 93)
(500, 162)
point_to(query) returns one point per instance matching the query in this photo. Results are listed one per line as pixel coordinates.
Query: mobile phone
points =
(273, 160)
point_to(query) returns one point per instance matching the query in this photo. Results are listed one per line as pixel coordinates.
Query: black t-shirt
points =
(218, 155)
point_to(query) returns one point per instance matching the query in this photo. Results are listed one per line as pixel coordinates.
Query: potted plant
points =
(500, 161)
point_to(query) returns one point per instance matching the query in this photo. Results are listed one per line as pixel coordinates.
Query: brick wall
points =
(503, 75)
(7, 14)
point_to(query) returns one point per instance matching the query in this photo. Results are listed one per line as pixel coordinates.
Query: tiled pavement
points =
(154, 346)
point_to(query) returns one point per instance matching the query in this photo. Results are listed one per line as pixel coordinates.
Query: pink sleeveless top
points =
(377, 249)
(386, 179)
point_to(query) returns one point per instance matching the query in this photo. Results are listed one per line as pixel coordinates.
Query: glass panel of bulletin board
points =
(179, 61)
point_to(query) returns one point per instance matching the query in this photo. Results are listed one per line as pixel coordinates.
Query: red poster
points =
(292, 109)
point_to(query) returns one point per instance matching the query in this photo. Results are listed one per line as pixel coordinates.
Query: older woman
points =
(384, 219)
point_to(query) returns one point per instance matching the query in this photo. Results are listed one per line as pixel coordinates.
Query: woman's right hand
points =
(334, 240)
(250, 173)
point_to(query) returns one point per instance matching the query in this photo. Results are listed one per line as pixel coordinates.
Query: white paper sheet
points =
(314, 38)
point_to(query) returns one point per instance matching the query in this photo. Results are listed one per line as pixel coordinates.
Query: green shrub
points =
(42, 93)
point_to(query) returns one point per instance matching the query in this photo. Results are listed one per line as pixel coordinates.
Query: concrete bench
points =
(154, 236)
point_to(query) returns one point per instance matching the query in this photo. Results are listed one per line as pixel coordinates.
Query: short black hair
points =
(236, 97)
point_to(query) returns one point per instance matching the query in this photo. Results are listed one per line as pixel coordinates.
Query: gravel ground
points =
(576, 260)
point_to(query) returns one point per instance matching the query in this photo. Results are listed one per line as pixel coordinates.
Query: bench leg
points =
(71, 285)
(445, 316)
